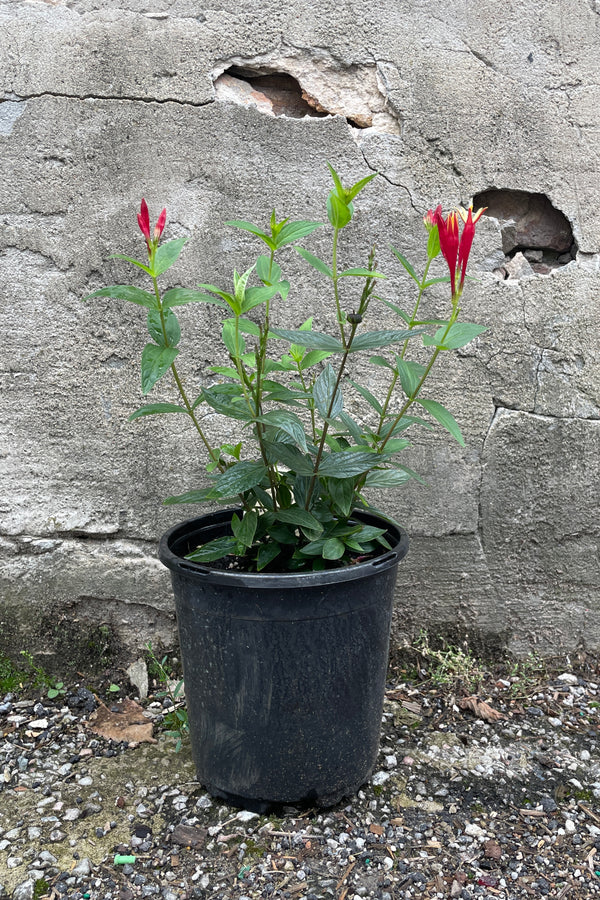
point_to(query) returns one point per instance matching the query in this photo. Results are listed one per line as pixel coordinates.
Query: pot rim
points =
(186, 567)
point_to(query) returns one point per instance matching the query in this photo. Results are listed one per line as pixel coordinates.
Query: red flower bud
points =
(159, 227)
(429, 219)
(144, 220)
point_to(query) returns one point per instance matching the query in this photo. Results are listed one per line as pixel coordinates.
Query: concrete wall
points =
(104, 103)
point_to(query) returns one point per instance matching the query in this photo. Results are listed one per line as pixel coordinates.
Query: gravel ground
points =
(469, 799)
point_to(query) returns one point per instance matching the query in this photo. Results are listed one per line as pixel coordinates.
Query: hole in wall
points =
(536, 237)
(274, 93)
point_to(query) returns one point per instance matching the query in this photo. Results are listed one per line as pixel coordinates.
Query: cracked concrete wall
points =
(105, 102)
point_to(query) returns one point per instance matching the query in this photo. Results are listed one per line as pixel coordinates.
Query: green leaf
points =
(240, 282)
(367, 395)
(266, 554)
(127, 292)
(167, 254)
(293, 231)
(253, 229)
(198, 496)
(172, 329)
(404, 423)
(233, 339)
(228, 404)
(386, 478)
(289, 423)
(134, 262)
(406, 265)
(433, 243)
(313, 357)
(181, 296)
(283, 288)
(338, 182)
(228, 371)
(397, 310)
(155, 362)
(289, 456)
(443, 279)
(153, 409)
(248, 326)
(348, 464)
(238, 478)
(315, 340)
(315, 262)
(364, 273)
(341, 491)
(229, 300)
(212, 550)
(333, 548)
(444, 417)
(328, 404)
(358, 187)
(460, 333)
(300, 517)
(382, 361)
(338, 212)
(410, 375)
(254, 296)
(245, 529)
(374, 340)
(353, 428)
(268, 270)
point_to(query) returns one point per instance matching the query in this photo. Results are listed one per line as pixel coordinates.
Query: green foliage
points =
(450, 666)
(525, 674)
(11, 677)
(41, 888)
(300, 462)
(56, 690)
(176, 718)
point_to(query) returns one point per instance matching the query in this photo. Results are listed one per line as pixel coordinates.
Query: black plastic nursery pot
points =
(284, 673)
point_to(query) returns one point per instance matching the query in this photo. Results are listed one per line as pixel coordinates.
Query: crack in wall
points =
(37, 545)
(419, 210)
(22, 98)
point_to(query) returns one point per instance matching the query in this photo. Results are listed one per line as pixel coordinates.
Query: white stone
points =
(245, 815)
(568, 678)
(380, 778)
(138, 676)
(474, 830)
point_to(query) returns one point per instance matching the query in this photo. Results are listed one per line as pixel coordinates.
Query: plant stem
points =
(214, 455)
(319, 456)
(428, 369)
(411, 324)
(260, 365)
(336, 293)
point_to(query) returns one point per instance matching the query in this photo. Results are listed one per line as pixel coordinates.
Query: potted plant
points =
(284, 598)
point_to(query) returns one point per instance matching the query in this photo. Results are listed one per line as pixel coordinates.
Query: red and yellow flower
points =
(455, 246)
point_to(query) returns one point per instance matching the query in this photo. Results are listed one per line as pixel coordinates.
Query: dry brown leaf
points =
(480, 708)
(126, 722)
(492, 850)
(400, 697)
(189, 836)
